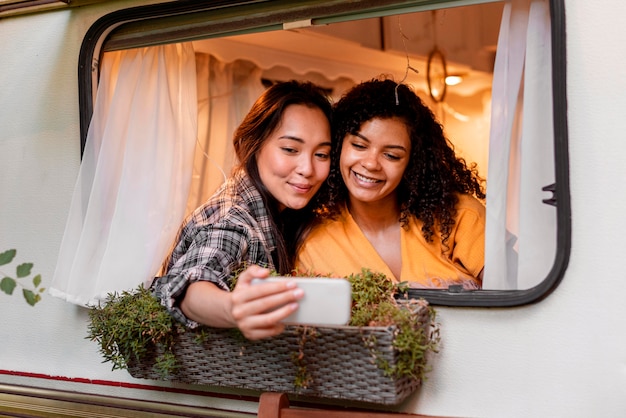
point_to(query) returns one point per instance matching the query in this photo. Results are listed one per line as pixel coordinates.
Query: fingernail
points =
(293, 306)
(290, 284)
(298, 293)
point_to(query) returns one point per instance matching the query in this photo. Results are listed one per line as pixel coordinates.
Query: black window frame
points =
(265, 15)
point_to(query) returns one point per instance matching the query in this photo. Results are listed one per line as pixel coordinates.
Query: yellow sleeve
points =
(468, 236)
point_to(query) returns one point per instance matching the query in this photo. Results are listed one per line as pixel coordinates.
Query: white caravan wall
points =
(561, 357)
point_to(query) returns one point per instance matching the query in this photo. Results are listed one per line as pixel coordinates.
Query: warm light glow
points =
(453, 80)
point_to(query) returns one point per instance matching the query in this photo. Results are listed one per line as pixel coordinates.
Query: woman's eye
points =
(289, 150)
(358, 146)
(322, 155)
(392, 157)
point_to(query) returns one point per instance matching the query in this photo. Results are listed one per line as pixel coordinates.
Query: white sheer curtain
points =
(521, 230)
(226, 92)
(133, 182)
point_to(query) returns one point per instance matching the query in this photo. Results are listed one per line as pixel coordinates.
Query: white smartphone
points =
(326, 301)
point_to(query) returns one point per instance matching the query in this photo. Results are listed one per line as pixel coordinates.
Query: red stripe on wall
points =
(129, 385)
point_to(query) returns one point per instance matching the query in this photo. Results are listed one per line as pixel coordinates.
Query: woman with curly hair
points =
(399, 200)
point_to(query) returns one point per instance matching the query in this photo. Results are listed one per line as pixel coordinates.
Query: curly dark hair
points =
(434, 177)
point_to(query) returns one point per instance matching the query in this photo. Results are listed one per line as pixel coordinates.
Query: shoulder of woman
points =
(470, 203)
(224, 211)
(326, 226)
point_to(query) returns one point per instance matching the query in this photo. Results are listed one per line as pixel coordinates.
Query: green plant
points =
(129, 325)
(303, 377)
(374, 304)
(126, 325)
(22, 271)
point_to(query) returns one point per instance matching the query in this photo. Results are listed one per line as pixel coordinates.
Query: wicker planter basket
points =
(339, 362)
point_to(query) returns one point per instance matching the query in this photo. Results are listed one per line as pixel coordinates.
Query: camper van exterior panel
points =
(562, 356)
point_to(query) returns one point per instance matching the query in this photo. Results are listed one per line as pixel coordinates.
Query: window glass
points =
(448, 54)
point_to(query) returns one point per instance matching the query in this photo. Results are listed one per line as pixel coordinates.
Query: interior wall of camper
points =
(562, 356)
(340, 55)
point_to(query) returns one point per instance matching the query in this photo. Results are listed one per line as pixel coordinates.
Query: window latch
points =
(550, 188)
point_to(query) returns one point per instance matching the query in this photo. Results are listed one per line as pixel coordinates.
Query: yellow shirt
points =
(339, 248)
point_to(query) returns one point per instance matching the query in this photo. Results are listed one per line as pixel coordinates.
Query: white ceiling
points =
(468, 35)
(360, 50)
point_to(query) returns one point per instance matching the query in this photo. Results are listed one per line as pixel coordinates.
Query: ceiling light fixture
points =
(453, 80)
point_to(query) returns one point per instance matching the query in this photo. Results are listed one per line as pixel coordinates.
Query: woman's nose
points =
(305, 166)
(370, 162)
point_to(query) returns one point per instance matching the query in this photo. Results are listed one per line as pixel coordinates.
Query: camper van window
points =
(492, 72)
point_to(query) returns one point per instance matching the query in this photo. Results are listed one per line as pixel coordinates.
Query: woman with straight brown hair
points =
(245, 230)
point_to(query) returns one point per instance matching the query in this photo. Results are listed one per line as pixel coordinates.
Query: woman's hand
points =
(258, 309)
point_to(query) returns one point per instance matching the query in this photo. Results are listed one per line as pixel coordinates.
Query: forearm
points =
(207, 304)
(257, 310)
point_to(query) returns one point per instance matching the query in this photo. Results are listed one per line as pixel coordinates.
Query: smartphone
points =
(326, 301)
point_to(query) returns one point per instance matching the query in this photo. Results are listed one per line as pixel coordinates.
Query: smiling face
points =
(373, 160)
(294, 160)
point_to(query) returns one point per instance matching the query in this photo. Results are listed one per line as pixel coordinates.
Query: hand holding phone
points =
(326, 301)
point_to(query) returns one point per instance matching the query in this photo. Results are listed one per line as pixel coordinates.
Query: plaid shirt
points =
(231, 230)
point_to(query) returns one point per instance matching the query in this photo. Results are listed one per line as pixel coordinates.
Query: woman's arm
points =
(255, 309)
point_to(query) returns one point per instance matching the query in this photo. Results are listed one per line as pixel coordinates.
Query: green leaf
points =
(31, 298)
(7, 256)
(7, 285)
(37, 280)
(23, 269)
